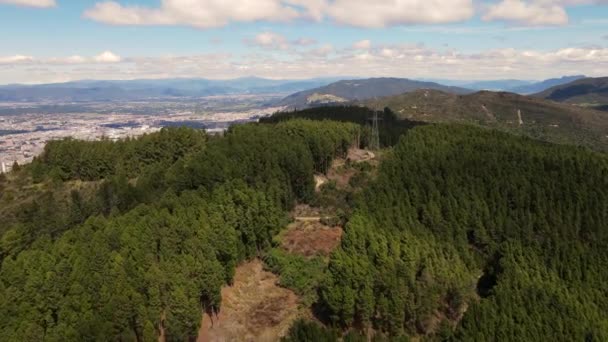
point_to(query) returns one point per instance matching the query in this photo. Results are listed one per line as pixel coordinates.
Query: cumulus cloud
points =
(275, 41)
(200, 14)
(16, 59)
(269, 40)
(104, 57)
(413, 61)
(362, 45)
(213, 13)
(30, 3)
(383, 13)
(304, 42)
(107, 57)
(322, 51)
(534, 12)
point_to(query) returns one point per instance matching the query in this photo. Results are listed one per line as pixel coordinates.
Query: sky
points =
(47, 41)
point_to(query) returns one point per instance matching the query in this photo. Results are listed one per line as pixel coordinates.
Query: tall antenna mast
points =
(374, 143)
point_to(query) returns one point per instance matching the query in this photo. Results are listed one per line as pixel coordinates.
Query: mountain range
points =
(532, 116)
(307, 92)
(586, 92)
(92, 90)
(352, 90)
(543, 85)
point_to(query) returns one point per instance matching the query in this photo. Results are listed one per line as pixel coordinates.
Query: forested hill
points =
(503, 234)
(350, 90)
(586, 92)
(463, 233)
(391, 127)
(530, 116)
(148, 246)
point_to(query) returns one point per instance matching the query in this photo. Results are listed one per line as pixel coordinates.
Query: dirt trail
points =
(488, 113)
(255, 308)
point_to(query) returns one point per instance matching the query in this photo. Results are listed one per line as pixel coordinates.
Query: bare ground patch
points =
(311, 238)
(305, 210)
(255, 308)
(341, 170)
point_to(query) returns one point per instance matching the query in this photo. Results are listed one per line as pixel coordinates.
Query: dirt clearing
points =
(255, 308)
(311, 238)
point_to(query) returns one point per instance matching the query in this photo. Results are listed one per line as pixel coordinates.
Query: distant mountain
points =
(535, 117)
(586, 92)
(351, 90)
(94, 90)
(546, 84)
(496, 84)
(524, 87)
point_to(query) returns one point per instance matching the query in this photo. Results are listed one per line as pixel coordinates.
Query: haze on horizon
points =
(48, 41)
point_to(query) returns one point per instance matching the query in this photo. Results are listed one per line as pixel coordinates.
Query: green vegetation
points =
(540, 119)
(304, 331)
(147, 254)
(458, 210)
(586, 92)
(70, 159)
(301, 274)
(391, 127)
(463, 233)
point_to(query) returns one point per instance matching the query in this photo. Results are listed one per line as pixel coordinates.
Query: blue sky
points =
(61, 40)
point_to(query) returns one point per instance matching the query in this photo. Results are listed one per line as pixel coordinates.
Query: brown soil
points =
(341, 173)
(311, 238)
(304, 210)
(255, 308)
(358, 155)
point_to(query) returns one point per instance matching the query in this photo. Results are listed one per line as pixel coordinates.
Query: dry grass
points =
(255, 308)
(311, 238)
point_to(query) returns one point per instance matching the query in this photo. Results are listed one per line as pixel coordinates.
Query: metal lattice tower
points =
(374, 143)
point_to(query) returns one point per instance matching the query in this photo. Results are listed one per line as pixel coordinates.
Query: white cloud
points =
(322, 51)
(216, 13)
(107, 57)
(16, 59)
(304, 42)
(76, 59)
(413, 61)
(200, 14)
(383, 13)
(275, 41)
(104, 57)
(534, 12)
(30, 3)
(362, 45)
(269, 40)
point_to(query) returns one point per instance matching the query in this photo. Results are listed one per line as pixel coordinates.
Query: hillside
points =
(586, 92)
(496, 84)
(349, 90)
(454, 233)
(544, 85)
(476, 235)
(538, 118)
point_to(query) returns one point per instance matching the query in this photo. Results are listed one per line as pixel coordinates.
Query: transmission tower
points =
(374, 143)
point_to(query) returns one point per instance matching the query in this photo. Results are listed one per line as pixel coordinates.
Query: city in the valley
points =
(25, 128)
